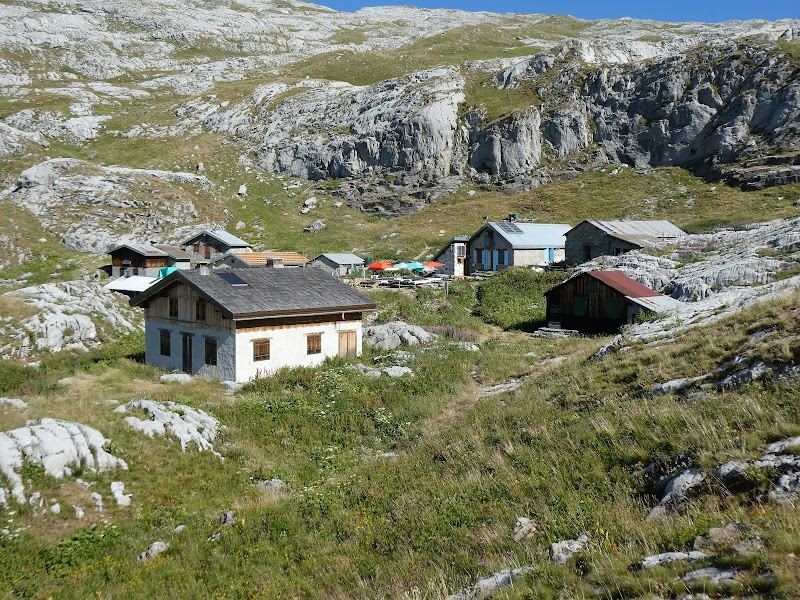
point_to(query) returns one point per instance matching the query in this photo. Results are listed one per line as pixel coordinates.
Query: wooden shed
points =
(210, 243)
(146, 259)
(602, 301)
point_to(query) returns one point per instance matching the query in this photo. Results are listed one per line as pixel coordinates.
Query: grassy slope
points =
(561, 451)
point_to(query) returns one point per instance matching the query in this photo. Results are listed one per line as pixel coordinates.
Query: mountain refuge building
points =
(591, 239)
(242, 324)
(496, 246)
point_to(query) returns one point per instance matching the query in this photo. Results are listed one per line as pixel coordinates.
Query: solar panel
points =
(232, 278)
(509, 227)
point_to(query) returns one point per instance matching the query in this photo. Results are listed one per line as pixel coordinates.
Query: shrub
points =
(514, 298)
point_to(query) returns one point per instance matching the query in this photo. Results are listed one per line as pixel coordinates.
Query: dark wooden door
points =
(187, 352)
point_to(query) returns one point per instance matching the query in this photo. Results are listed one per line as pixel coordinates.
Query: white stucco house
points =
(244, 324)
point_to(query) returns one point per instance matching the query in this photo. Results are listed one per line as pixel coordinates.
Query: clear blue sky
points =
(664, 10)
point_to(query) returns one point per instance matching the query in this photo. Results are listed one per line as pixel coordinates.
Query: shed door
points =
(347, 344)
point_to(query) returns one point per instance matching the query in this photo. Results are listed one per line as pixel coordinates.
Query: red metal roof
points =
(623, 284)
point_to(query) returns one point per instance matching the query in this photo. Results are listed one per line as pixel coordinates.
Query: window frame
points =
(200, 310)
(165, 336)
(208, 359)
(262, 357)
(315, 348)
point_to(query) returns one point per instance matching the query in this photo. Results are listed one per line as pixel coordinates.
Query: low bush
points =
(514, 298)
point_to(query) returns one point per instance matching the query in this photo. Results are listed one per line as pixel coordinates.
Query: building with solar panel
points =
(497, 246)
(238, 325)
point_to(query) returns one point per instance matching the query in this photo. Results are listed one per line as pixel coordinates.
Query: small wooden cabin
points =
(146, 259)
(602, 301)
(210, 243)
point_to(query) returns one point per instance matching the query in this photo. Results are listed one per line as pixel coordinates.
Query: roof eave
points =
(303, 312)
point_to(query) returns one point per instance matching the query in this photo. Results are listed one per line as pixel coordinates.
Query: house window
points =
(200, 309)
(594, 288)
(196, 247)
(211, 351)
(173, 308)
(314, 343)
(503, 257)
(260, 350)
(164, 338)
(461, 250)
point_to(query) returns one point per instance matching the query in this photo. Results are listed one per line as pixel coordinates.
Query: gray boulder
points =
(272, 486)
(154, 550)
(666, 558)
(561, 552)
(392, 335)
(486, 586)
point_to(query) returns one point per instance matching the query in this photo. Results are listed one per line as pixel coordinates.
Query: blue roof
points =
(526, 236)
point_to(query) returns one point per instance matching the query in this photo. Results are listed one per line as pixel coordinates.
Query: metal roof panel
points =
(644, 233)
(531, 235)
(623, 284)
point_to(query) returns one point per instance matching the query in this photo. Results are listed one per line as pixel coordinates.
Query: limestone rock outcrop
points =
(71, 315)
(100, 206)
(58, 446)
(186, 424)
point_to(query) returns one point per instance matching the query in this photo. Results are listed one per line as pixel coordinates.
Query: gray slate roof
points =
(220, 234)
(342, 258)
(527, 236)
(267, 292)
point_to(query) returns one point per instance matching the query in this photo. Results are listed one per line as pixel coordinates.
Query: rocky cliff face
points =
(339, 130)
(705, 108)
(620, 91)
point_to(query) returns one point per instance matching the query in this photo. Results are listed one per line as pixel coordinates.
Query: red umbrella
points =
(432, 264)
(379, 265)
